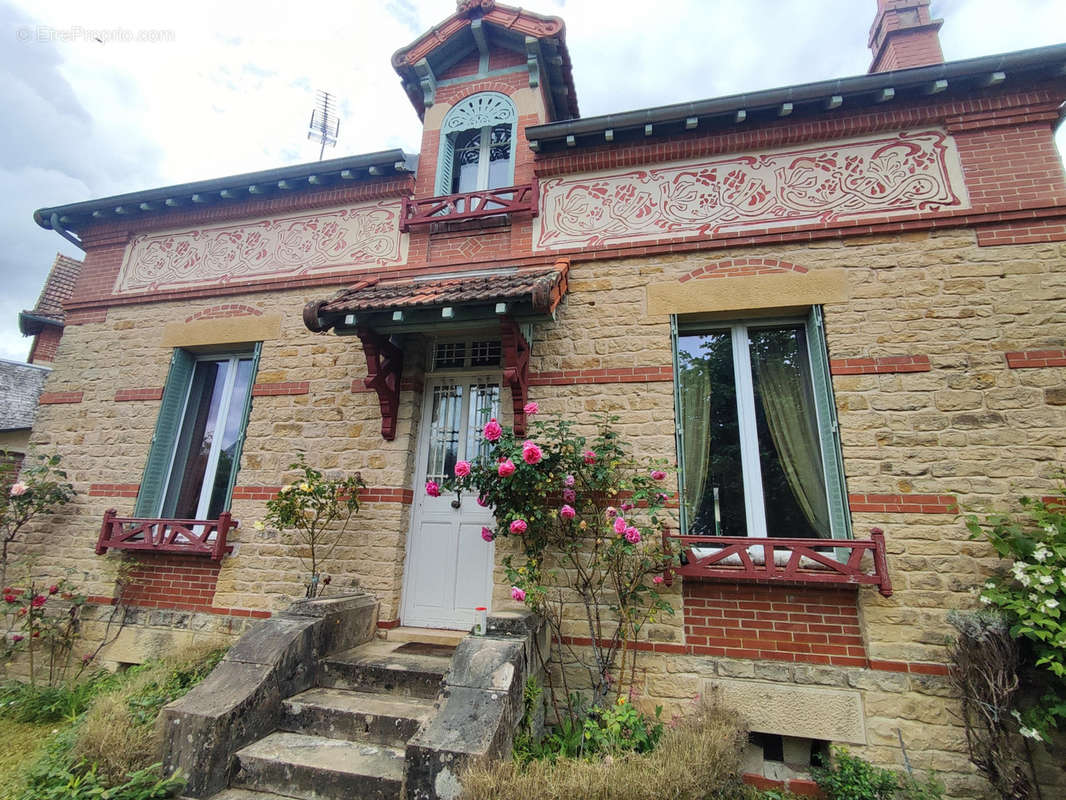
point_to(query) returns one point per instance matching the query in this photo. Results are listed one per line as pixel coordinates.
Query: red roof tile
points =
(58, 288)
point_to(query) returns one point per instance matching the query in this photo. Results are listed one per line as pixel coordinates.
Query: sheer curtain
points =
(788, 398)
(695, 434)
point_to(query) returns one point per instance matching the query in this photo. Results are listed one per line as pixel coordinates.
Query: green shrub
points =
(848, 777)
(24, 702)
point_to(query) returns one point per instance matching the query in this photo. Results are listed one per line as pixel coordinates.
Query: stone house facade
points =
(838, 306)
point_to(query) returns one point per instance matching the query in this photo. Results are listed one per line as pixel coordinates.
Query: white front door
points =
(449, 565)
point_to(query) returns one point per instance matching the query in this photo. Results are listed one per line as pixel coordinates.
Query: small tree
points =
(590, 518)
(42, 488)
(311, 508)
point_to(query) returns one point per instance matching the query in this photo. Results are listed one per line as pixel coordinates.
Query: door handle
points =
(457, 502)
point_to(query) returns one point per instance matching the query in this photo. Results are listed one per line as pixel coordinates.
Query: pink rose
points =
(518, 594)
(658, 475)
(518, 526)
(569, 496)
(53, 589)
(569, 481)
(433, 489)
(657, 579)
(506, 468)
(590, 457)
(662, 497)
(17, 638)
(566, 512)
(462, 469)
(10, 598)
(620, 525)
(531, 454)
(86, 658)
(492, 430)
(632, 535)
(18, 489)
(482, 501)
(530, 409)
(486, 534)
(627, 506)
(611, 512)
(39, 601)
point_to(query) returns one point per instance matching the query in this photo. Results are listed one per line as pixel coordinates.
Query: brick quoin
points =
(283, 388)
(226, 311)
(181, 582)
(129, 395)
(114, 489)
(573, 377)
(57, 398)
(734, 267)
(903, 503)
(45, 344)
(1030, 359)
(780, 623)
(879, 365)
(371, 494)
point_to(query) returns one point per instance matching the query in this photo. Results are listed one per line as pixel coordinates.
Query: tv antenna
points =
(325, 125)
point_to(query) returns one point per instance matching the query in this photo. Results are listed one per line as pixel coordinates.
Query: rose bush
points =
(42, 488)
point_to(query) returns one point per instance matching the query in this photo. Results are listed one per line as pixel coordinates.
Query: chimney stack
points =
(904, 36)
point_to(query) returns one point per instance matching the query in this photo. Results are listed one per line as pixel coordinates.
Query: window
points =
(757, 436)
(196, 449)
(477, 145)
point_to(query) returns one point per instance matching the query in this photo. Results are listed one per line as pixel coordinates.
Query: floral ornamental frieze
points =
(340, 238)
(847, 181)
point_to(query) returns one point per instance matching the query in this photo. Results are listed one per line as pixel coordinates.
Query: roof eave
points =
(31, 324)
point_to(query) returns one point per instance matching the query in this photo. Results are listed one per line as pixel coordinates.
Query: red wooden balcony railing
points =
(469, 205)
(786, 560)
(190, 537)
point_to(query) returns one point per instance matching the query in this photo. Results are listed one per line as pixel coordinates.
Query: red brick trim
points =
(114, 489)
(226, 612)
(798, 786)
(127, 395)
(572, 377)
(58, 398)
(903, 503)
(879, 364)
(733, 267)
(1022, 233)
(369, 495)
(226, 311)
(281, 388)
(1036, 358)
(388, 624)
(406, 385)
(912, 667)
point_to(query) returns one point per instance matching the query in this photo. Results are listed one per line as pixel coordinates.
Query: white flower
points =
(1050, 529)
(1041, 553)
(1034, 598)
(1030, 733)
(985, 599)
(1047, 580)
(1016, 714)
(287, 488)
(1024, 579)
(1051, 602)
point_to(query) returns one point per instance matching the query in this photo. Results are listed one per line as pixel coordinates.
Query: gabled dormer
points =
(477, 80)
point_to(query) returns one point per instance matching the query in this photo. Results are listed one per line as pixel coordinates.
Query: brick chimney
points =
(904, 36)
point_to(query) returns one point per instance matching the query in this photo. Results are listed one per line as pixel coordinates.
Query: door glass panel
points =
(790, 452)
(231, 435)
(484, 405)
(714, 483)
(444, 431)
(193, 446)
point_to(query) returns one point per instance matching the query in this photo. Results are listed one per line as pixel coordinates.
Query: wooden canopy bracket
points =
(384, 367)
(516, 369)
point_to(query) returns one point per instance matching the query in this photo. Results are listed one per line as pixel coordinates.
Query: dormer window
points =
(477, 145)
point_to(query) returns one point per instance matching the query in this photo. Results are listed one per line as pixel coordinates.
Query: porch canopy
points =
(377, 310)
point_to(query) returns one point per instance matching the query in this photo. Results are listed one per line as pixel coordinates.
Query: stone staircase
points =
(345, 738)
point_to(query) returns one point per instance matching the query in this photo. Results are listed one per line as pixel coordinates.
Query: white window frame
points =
(483, 111)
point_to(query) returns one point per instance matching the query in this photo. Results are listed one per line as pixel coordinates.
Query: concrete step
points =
(426, 635)
(355, 716)
(244, 794)
(408, 669)
(317, 768)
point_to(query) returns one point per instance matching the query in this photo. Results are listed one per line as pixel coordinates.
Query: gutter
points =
(31, 324)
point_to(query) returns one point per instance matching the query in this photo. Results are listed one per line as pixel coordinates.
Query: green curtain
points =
(695, 434)
(788, 399)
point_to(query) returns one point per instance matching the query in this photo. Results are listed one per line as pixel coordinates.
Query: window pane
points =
(444, 432)
(500, 158)
(484, 405)
(467, 156)
(231, 436)
(790, 454)
(714, 484)
(193, 445)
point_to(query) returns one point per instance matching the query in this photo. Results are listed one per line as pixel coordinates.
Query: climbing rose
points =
(518, 594)
(482, 501)
(569, 481)
(486, 534)
(85, 659)
(519, 526)
(506, 468)
(462, 469)
(590, 457)
(530, 408)
(17, 638)
(10, 598)
(627, 506)
(657, 579)
(620, 525)
(662, 497)
(658, 475)
(531, 454)
(566, 512)
(492, 430)
(611, 512)
(632, 535)
(569, 496)
(53, 589)
(18, 489)
(39, 601)
(433, 489)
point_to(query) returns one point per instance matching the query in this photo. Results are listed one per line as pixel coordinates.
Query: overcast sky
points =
(227, 87)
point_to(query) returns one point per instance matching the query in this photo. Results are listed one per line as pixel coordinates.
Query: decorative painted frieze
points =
(331, 239)
(836, 183)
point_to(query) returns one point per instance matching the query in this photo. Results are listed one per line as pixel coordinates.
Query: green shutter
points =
(150, 496)
(839, 513)
(445, 163)
(679, 415)
(244, 425)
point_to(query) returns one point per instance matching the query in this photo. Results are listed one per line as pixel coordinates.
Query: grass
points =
(23, 743)
(697, 759)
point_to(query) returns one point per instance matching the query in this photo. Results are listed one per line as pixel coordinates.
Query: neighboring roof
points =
(535, 291)
(880, 89)
(58, 288)
(20, 386)
(281, 180)
(475, 26)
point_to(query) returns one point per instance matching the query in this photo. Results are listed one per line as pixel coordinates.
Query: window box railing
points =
(821, 561)
(190, 537)
(469, 205)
